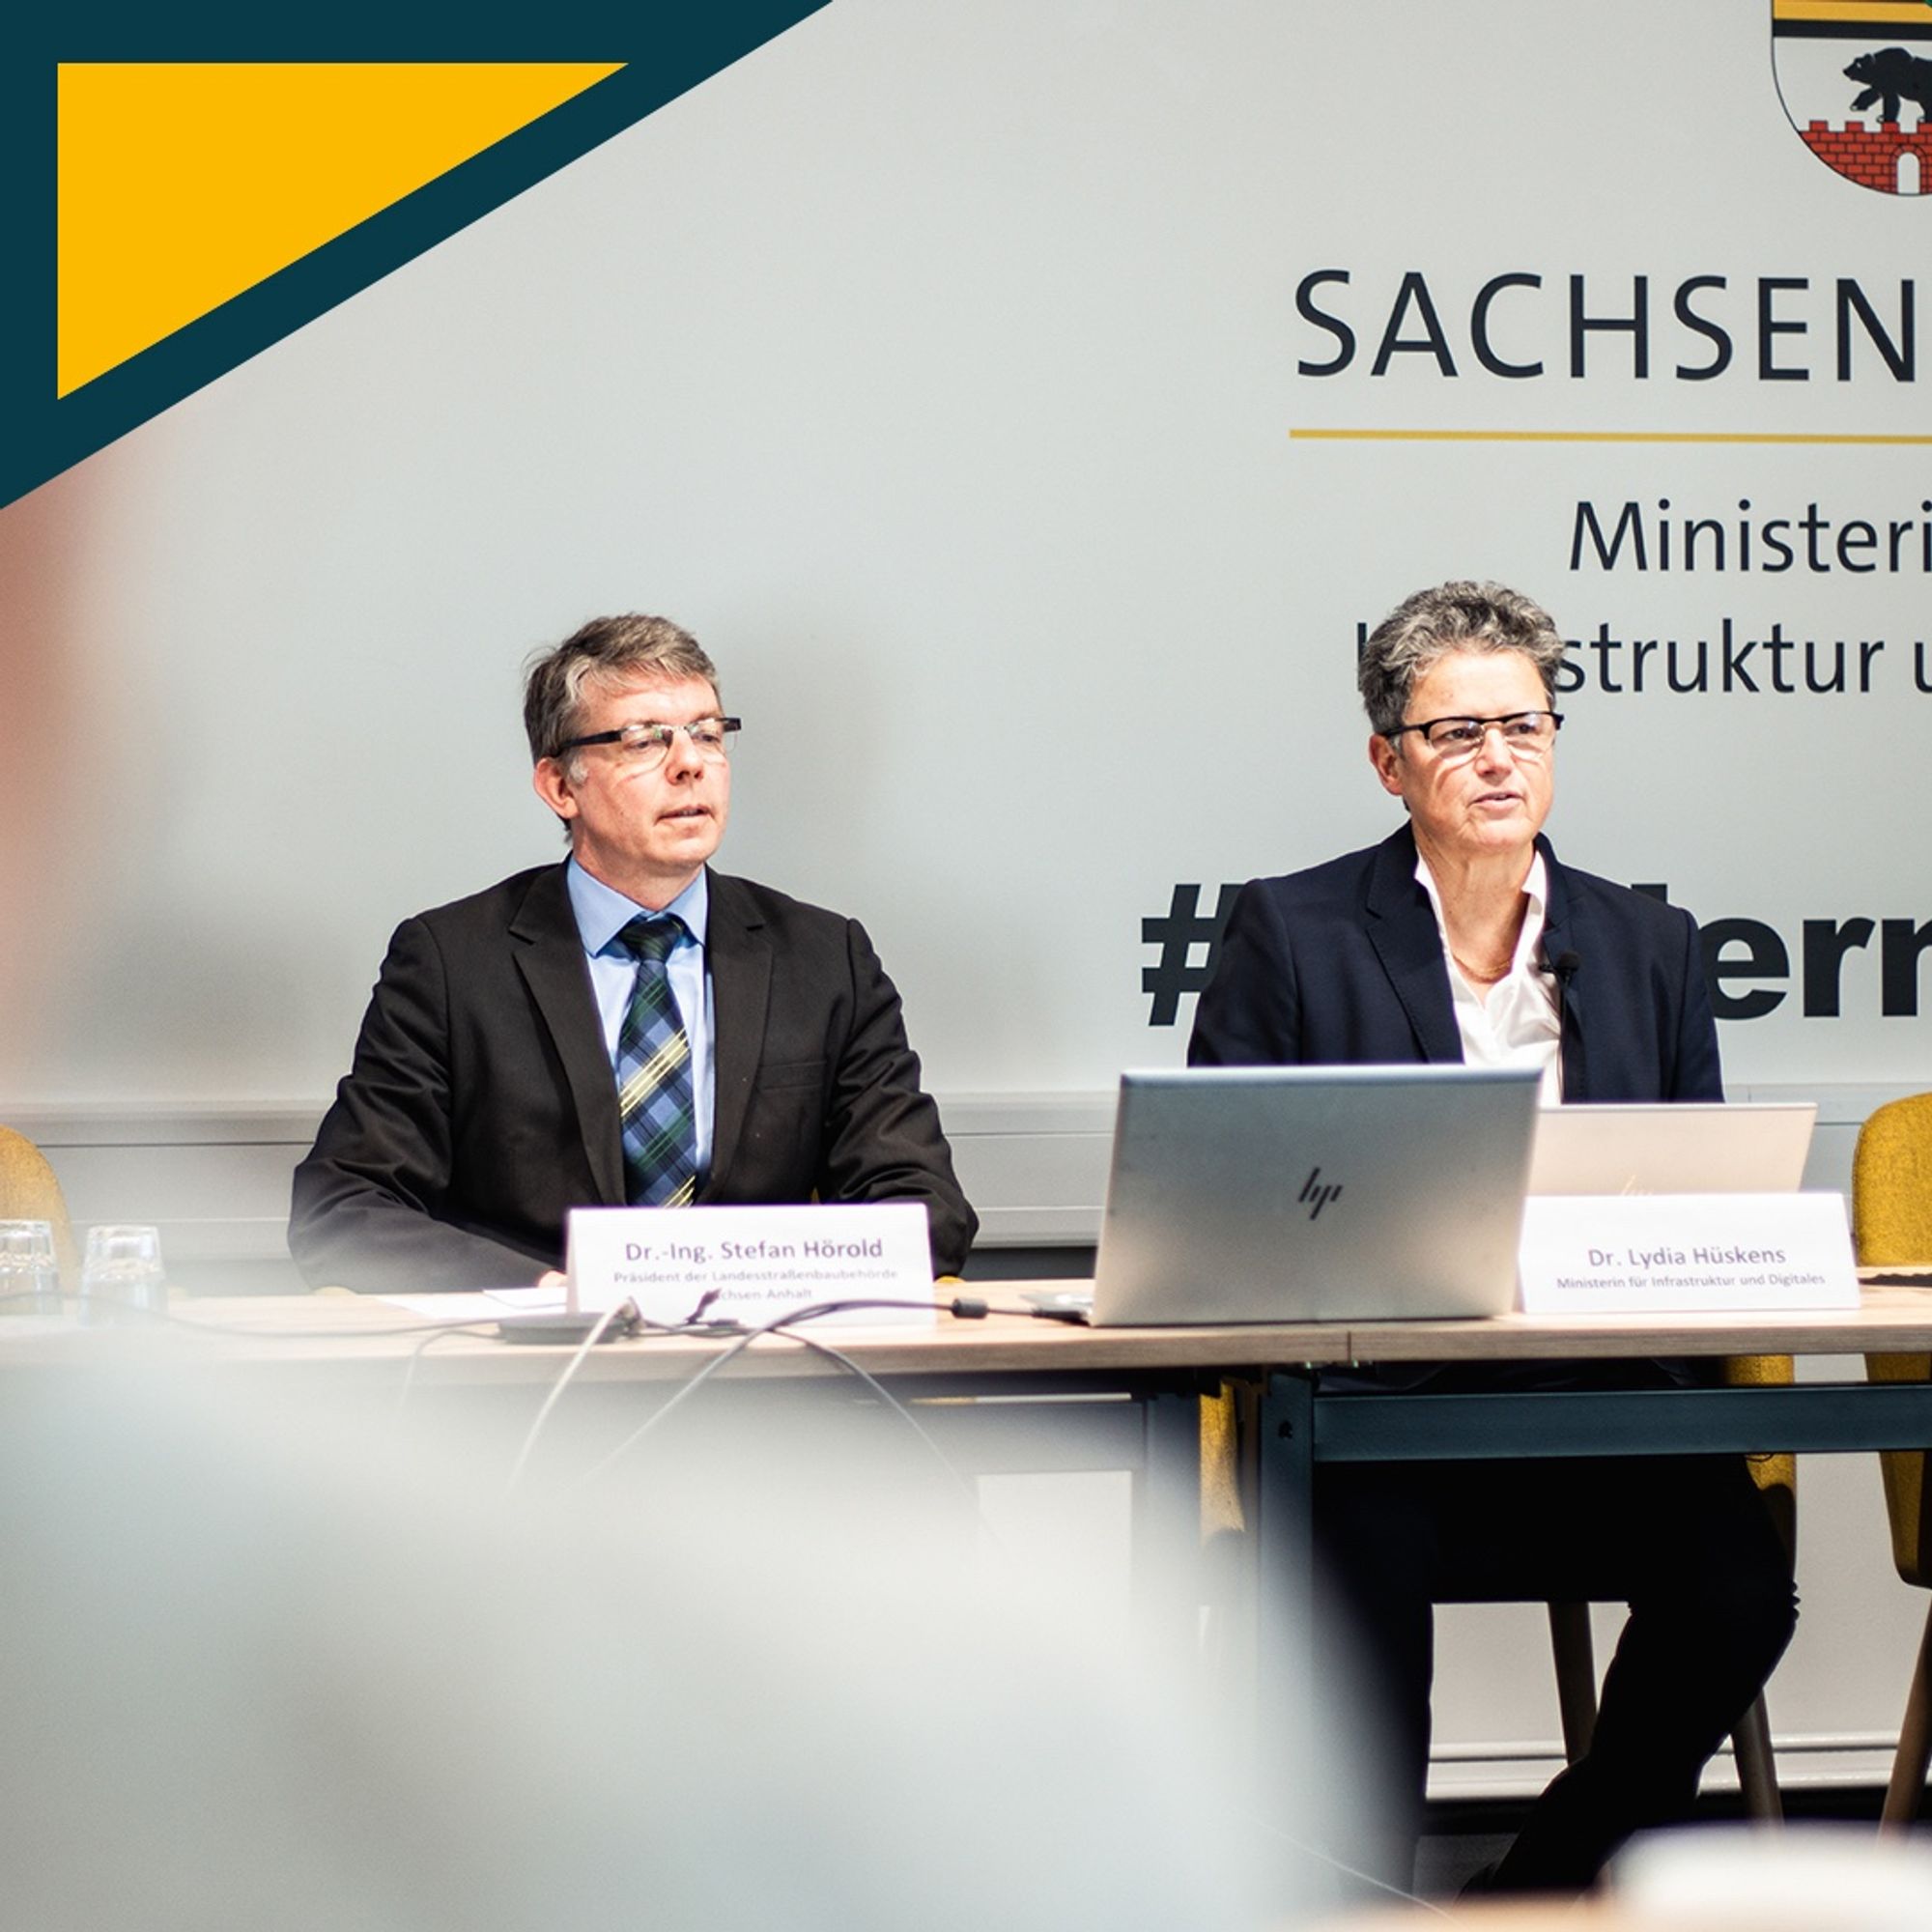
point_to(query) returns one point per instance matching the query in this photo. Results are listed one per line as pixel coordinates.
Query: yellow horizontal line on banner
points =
(1584, 436)
(1877, 12)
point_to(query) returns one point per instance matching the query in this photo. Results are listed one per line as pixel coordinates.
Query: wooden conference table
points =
(1155, 1377)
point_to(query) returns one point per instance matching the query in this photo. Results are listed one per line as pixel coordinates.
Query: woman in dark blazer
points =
(1461, 937)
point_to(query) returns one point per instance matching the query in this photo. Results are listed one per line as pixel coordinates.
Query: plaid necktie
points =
(654, 1097)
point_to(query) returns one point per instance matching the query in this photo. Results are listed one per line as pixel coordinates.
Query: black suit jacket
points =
(481, 1105)
(1342, 965)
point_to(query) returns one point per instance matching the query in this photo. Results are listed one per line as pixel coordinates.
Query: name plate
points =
(750, 1264)
(1679, 1253)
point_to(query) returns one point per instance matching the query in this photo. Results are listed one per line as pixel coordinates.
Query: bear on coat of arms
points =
(1893, 76)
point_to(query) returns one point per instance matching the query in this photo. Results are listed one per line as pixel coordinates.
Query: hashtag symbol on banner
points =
(1182, 928)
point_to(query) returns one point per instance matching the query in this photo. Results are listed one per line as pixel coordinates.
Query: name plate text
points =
(1653, 1254)
(748, 1264)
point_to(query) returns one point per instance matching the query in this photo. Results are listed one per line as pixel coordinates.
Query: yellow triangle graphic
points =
(182, 184)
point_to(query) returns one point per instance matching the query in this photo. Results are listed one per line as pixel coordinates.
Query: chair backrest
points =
(1891, 1185)
(1891, 1223)
(31, 1191)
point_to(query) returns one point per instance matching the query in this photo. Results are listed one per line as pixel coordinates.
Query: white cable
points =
(718, 1361)
(1347, 1870)
(611, 1314)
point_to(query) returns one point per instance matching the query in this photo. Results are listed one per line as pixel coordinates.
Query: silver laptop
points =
(1314, 1193)
(1676, 1148)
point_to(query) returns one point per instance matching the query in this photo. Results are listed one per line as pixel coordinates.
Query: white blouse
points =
(1519, 1024)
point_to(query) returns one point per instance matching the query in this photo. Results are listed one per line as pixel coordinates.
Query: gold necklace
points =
(1485, 976)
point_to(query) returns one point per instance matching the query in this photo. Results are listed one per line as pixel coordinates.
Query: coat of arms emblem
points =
(1856, 79)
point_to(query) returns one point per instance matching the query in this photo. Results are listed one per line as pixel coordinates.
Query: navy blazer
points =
(481, 1106)
(1342, 965)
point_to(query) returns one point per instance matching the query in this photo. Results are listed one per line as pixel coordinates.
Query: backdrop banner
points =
(1031, 404)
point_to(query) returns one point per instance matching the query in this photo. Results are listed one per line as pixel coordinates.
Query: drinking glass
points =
(29, 1272)
(121, 1274)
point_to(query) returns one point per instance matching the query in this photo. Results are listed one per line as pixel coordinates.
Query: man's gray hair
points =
(1459, 617)
(606, 651)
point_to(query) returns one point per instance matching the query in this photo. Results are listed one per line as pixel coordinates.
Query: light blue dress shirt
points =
(601, 915)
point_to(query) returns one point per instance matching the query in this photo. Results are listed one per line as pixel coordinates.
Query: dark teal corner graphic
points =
(670, 49)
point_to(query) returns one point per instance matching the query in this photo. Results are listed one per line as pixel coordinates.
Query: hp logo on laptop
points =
(1318, 1193)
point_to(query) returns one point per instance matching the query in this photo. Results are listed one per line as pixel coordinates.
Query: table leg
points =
(1284, 1556)
(1167, 1524)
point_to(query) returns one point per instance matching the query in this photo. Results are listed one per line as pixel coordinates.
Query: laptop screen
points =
(1314, 1193)
(1681, 1147)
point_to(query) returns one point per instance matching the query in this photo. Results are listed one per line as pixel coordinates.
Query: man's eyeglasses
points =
(646, 746)
(1529, 734)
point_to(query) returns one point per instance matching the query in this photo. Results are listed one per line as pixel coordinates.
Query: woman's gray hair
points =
(1459, 617)
(605, 650)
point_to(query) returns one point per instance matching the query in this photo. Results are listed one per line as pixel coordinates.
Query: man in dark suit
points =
(1461, 937)
(757, 1040)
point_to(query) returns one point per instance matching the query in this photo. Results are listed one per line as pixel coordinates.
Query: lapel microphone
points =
(1562, 969)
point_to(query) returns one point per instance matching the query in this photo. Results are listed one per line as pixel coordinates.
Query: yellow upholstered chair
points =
(1891, 1223)
(1223, 1519)
(29, 1191)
